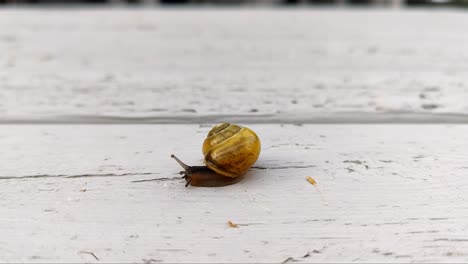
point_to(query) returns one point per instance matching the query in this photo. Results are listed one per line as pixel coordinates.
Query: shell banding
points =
(231, 150)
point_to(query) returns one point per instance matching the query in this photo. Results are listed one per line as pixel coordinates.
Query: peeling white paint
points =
(156, 62)
(402, 202)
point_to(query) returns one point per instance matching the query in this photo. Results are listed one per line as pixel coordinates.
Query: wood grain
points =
(85, 64)
(394, 193)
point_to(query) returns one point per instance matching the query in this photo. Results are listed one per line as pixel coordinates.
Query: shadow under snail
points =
(229, 151)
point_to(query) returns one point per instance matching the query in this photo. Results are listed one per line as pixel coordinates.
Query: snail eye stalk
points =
(185, 166)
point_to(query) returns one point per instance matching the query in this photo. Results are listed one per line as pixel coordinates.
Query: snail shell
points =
(229, 151)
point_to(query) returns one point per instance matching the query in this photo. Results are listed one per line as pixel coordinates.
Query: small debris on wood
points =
(311, 180)
(314, 183)
(231, 224)
(89, 253)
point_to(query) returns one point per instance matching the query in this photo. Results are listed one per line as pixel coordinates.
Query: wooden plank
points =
(394, 193)
(83, 63)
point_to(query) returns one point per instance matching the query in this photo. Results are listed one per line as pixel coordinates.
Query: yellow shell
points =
(231, 150)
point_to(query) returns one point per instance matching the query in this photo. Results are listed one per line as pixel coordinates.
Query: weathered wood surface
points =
(394, 193)
(73, 64)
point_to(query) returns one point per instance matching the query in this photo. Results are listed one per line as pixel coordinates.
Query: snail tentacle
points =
(189, 180)
(185, 166)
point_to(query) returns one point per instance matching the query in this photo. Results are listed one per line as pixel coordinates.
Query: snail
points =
(229, 151)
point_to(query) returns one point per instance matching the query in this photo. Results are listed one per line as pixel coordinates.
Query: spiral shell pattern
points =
(231, 150)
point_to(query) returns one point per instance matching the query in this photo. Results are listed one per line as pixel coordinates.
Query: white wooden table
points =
(93, 102)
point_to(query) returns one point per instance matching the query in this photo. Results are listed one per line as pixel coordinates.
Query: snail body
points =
(229, 151)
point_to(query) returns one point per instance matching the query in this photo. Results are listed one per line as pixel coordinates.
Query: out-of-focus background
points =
(251, 61)
(394, 3)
